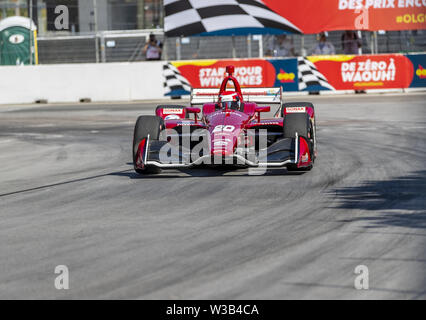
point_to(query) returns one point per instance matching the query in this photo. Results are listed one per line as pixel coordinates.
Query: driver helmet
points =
(230, 100)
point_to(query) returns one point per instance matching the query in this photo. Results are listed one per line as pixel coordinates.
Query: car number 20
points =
(222, 128)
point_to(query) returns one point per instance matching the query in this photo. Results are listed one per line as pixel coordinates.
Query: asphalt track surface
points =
(69, 196)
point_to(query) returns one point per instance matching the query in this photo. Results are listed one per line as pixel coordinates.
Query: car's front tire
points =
(146, 125)
(301, 124)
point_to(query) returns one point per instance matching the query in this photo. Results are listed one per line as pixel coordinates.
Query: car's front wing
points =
(284, 152)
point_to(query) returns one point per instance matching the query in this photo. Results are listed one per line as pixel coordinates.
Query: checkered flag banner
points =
(222, 17)
(309, 76)
(174, 82)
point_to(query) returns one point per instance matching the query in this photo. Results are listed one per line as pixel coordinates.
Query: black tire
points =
(292, 167)
(295, 105)
(300, 123)
(297, 122)
(146, 125)
(313, 127)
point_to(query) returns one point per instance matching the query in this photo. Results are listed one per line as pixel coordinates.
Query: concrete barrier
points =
(73, 82)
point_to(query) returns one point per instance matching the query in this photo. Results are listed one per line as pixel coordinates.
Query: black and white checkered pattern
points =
(174, 81)
(309, 76)
(189, 17)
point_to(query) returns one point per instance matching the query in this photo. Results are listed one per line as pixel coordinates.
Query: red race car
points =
(229, 131)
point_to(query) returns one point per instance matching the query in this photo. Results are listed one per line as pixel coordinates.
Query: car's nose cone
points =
(225, 129)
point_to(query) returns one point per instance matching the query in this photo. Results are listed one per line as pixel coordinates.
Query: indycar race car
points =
(228, 130)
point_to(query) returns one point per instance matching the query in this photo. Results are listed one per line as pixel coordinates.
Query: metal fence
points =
(256, 46)
(108, 46)
(123, 46)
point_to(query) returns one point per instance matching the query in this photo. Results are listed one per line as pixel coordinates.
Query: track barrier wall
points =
(313, 73)
(155, 80)
(73, 82)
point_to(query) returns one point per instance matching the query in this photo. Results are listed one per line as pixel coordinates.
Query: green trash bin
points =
(15, 37)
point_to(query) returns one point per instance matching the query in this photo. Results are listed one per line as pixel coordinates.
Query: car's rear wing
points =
(257, 95)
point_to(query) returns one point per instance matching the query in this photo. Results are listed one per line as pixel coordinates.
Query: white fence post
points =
(178, 49)
(249, 46)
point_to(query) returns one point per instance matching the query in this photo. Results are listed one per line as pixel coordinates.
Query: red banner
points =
(210, 73)
(313, 73)
(365, 72)
(313, 16)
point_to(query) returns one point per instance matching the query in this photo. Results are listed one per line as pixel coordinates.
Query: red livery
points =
(227, 130)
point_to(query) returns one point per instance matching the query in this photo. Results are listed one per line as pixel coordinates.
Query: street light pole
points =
(141, 14)
(95, 17)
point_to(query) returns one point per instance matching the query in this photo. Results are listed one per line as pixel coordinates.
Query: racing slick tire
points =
(300, 123)
(146, 125)
(296, 105)
(313, 127)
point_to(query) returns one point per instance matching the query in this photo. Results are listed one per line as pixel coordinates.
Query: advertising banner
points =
(249, 72)
(312, 16)
(345, 72)
(418, 62)
(243, 17)
(314, 73)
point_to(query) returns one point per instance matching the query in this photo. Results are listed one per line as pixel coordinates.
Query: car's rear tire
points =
(313, 123)
(296, 105)
(297, 122)
(146, 125)
(300, 123)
